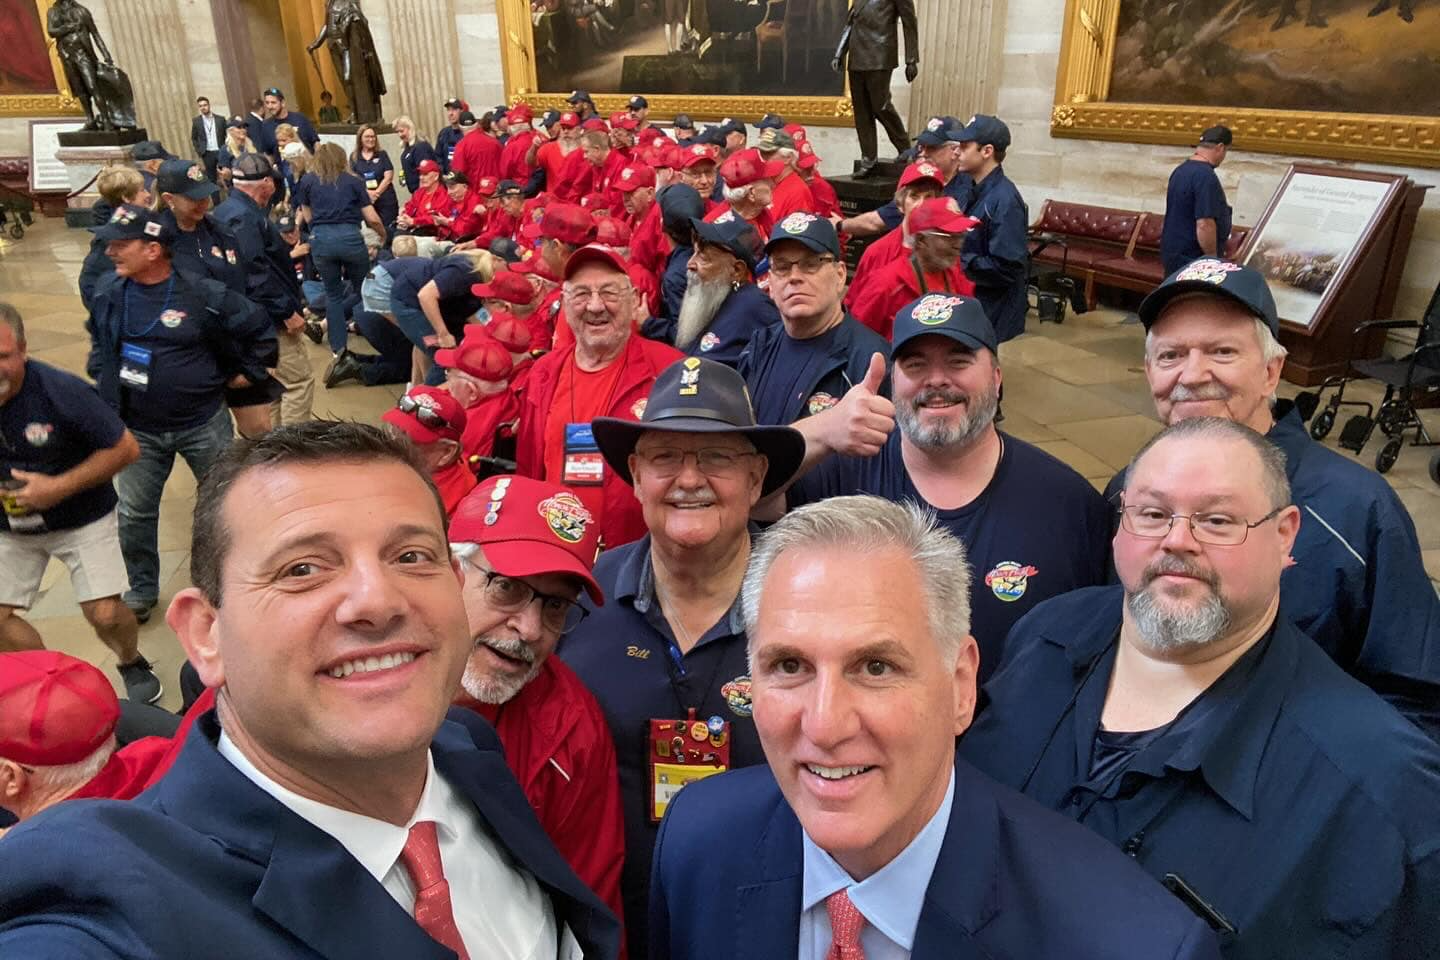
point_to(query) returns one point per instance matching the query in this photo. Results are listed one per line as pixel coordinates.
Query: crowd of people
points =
(691, 601)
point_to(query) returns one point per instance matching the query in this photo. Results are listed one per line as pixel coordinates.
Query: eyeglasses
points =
(610, 296)
(424, 414)
(1216, 529)
(509, 595)
(666, 462)
(809, 266)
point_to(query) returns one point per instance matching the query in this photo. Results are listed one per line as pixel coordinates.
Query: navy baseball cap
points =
(937, 131)
(580, 96)
(983, 129)
(508, 187)
(730, 125)
(275, 92)
(185, 177)
(817, 233)
(735, 235)
(131, 221)
(285, 224)
(466, 119)
(237, 123)
(550, 118)
(638, 102)
(683, 122)
(714, 135)
(701, 396)
(1216, 278)
(679, 204)
(454, 103)
(952, 315)
(1218, 135)
(151, 150)
(506, 249)
(771, 121)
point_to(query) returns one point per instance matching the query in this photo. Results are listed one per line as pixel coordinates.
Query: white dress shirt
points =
(499, 907)
(207, 124)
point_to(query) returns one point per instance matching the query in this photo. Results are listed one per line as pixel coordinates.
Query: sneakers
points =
(314, 331)
(345, 367)
(141, 684)
(141, 609)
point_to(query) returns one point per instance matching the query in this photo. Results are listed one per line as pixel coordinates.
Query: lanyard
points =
(920, 278)
(125, 320)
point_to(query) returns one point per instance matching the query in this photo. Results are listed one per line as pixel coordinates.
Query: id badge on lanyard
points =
(135, 367)
(682, 752)
(584, 465)
(20, 518)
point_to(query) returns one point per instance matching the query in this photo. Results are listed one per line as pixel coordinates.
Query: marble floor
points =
(1075, 390)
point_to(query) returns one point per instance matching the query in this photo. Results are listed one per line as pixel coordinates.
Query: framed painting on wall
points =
(32, 80)
(706, 58)
(1347, 79)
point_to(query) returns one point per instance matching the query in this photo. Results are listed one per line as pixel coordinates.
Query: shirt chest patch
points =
(39, 434)
(709, 342)
(820, 402)
(1008, 580)
(172, 318)
(737, 696)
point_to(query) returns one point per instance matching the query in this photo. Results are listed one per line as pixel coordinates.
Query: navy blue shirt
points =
(790, 379)
(1194, 194)
(52, 425)
(626, 654)
(304, 129)
(453, 277)
(674, 280)
(209, 252)
(743, 313)
(338, 202)
(186, 384)
(371, 172)
(1037, 530)
(270, 280)
(410, 159)
(1289, 797)
(960, 189)
(445, 145)
(996, 254)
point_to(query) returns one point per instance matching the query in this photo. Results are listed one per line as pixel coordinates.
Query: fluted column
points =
(424, 70)
(961, 44)
(148, 40)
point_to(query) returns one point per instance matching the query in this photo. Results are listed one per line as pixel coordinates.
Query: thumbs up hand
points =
(860, 423)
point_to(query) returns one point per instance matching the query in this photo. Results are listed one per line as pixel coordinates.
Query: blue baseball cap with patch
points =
(983, 129)
(937, 131)
(735, 235)
(958, 317)
(1217, 278)
(813, 231)
(133, 222)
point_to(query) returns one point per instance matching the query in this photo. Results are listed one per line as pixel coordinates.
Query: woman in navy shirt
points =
(334, 203)
(372, 165)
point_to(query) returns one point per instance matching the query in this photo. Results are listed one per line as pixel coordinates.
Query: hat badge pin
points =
(690, 378)
(122, 216)
(195, 173)
(566, 516)
(928, 169)
(798, 222)
(1210, 271)
(38, 434)
(935, 124)
(935, 309)
(152, 229)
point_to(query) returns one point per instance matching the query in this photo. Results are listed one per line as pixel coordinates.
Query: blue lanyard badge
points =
(584, 466)
(135, 367)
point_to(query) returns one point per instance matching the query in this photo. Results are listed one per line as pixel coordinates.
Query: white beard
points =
(702, 301)
(489, 688)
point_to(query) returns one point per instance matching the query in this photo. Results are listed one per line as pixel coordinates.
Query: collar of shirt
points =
(891, 898)
(635, 582)
(374, 843)
(1289, 434)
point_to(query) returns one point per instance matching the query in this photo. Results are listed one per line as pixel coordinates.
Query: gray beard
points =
(1169, 631)
(488, 688)
(702, 301)
(979, 414)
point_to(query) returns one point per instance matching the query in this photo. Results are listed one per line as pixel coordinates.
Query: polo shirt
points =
(1194, 193)
(453, 276)
(53, 424)
(338, 202)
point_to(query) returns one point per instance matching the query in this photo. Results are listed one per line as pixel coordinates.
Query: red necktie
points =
(421, 857)
(845, 925)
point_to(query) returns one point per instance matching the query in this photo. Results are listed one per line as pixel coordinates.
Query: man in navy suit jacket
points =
(865, 833)
(326, 807)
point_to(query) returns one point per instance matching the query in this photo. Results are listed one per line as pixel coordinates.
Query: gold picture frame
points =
(517, 54)
(62, 104)
(1083, 109)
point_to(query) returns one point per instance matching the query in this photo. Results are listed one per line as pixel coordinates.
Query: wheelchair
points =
(1406, 379)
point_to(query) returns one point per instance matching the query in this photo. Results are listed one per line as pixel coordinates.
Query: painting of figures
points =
(25, 67)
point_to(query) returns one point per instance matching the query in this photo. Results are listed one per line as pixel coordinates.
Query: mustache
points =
(512, 647)
(944, 394)
(691, 498)
(1169, 564)
(1211, 391)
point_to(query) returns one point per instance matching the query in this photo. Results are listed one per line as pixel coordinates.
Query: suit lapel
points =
(768, 899)
(963, 895)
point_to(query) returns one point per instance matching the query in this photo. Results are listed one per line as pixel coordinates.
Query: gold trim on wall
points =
(62, 104)
(517, 56)
(1082, 84)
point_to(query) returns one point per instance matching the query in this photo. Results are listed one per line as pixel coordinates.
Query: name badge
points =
(371, 183)
(584, 465)
(20, 518)
(682, 752)
(135, 367)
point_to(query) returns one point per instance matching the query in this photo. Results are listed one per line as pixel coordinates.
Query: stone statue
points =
(872, 48)
(103, 89)
(352, 49)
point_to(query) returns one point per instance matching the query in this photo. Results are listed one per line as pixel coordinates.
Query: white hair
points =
(735, 195)
(1270, 348)
(866, 524)
(70, 777)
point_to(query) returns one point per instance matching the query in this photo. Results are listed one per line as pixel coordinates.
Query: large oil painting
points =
(25, 67)
(1347, 56)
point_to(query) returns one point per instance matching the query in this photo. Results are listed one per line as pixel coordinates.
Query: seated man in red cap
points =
(512, 333)
(591, 168)
(622, 134)
(513, 165)
(472, 207)
(749, 188)
(477, 374)
(827, 204)
(636, 184)
(509, 292)
(791, 194)
(920, 182)
(564, 228)
(435, 421)
(698, 167)
(57, 735)
(505, 215)
(615, 234)
(608, 371)
(938, 230)
(526, 548)
(424, 204)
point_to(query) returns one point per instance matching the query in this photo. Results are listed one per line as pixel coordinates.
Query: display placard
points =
(48, 175)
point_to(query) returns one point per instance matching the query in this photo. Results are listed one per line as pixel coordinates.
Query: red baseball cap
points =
(593, 253)
(569, 121)
(54, 709)
(509, 330)
(529, 528)
(478, 355)
(657, 157)
(595, 123)
(595, 201)
(922, 171)
(623, 121)
(505, 285)
(487, 186)
(635, 176)
(428, 166)
(429, 414)
(797, 131)
(745, 167)
(698, 153)
(567, 222)
(520, 113)
(940, 215)
(808, 157)
(610, 232)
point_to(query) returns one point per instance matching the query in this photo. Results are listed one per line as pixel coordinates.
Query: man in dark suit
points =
(865, 837)
(325, 807)
(872, 46)
(207, 136)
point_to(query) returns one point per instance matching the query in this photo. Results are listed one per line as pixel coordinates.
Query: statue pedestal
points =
(102, 138)
(859, 196)
(83, 163)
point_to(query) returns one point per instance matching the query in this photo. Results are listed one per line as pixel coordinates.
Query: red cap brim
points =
(413, 428)
(533, 558)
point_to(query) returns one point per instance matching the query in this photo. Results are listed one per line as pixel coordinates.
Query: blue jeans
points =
(416, 326)
(314, 293)
(339, 254)
(393, 363)
(141, 484)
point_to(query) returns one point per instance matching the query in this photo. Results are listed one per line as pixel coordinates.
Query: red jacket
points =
(500, 224)
(484, 420)
(477, 155)
(470, 219)
(896, 285)
(558, 746)
(579, 178)
(620, 520)
(791, 195)
(512, 157)
(424, 204)
(129, 771)
(827, 204)
(649, 247)
(876, 257)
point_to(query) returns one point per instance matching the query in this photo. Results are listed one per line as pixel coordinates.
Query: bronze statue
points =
(352, 49)
(870, 50)
(103, 89)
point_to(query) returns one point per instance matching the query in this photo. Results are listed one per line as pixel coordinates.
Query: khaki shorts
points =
(92, 552)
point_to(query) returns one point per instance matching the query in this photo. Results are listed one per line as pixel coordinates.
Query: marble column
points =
(148, 40)
(424, 69)
(961, 45)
